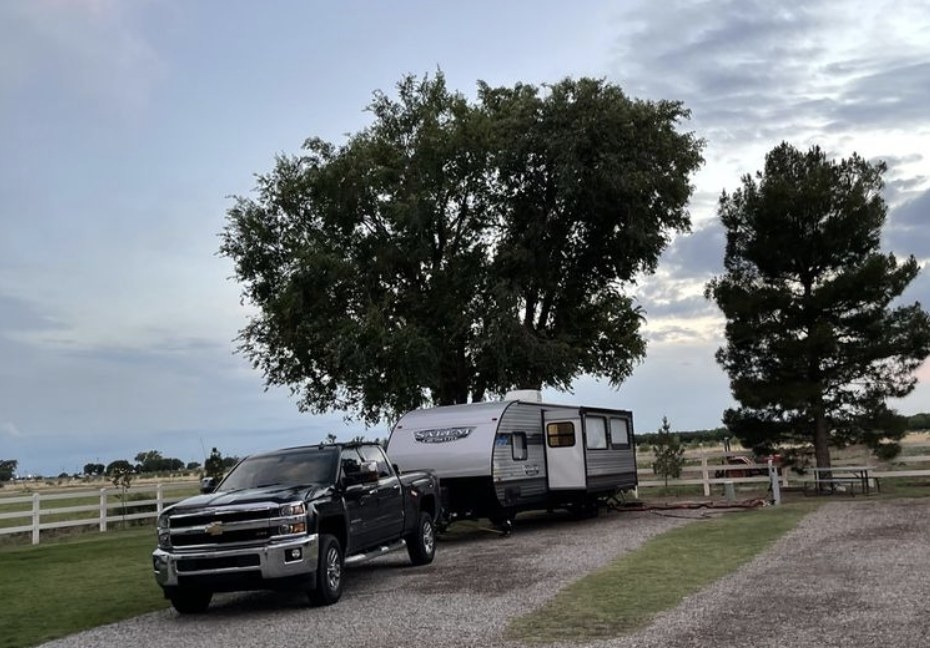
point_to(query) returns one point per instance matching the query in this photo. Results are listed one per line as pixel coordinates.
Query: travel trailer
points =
(497, 459)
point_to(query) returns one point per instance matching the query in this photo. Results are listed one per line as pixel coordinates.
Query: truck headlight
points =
(294, 508)
(162, 531)
(296, 527)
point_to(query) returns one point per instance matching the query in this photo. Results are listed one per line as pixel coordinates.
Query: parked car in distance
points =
(292, 519)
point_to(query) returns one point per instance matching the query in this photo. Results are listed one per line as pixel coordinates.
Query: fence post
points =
(36, 517)
(103, 509)
(773, 479)
(705, 476)
(158, 499)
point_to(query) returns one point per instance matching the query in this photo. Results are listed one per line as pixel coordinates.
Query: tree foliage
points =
(455, 248)
(213, 465)
(216, 464)
(7, 469)
(816, 340)
(95, 469)
(668, 453)
(119, 465)
(152, 461)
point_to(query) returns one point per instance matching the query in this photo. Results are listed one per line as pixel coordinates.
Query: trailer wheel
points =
(421, 544)
(328, 572)
(190, 601)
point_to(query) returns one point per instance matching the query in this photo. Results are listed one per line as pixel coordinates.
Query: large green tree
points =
(454, 248)
(7, 469)
(816, 339)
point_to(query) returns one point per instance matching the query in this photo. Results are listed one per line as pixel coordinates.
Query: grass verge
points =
(628, 593)
(53, 590)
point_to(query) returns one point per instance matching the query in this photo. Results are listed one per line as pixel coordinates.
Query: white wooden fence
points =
(110, 508)
(711, 463)
(704, 474)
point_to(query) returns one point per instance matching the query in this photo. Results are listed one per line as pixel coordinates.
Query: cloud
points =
(9, 429)
(697, 255)
(18, 314)
(908, 229)
(755, 73)
(95, 48)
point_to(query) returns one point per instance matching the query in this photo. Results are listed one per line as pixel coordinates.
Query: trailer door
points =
(564, 451)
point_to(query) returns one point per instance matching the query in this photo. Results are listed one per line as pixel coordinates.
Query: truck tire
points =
(421, 544)
(190, 601)
(328, 587)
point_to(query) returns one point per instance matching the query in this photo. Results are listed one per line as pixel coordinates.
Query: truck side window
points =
(374, 453)
(596, 431)
(350, 461)
(518, 446)
(619, 433)
(560, 435)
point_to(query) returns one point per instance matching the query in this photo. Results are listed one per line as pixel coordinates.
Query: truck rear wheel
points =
(421, 544)
(190, 601)
(328, 572)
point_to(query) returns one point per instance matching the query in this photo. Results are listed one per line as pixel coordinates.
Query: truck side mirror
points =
(207, 485)
(360, 473)
(370, 471)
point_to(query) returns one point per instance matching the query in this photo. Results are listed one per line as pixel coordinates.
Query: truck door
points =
(361, 503)
(389, 521)
(564, 451)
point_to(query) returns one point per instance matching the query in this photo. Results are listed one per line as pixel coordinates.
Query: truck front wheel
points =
(329, 572)
(190, 601)
(421, 544)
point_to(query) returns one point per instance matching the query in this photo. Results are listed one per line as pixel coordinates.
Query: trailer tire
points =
(190, 601)
(421, 544)
(329, 572)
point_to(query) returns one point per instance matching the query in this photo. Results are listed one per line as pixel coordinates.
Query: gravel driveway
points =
(854, 574)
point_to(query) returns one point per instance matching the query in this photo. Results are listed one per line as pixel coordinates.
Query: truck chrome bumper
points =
(283, 559)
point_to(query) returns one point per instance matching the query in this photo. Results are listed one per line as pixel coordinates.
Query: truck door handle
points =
(396, 487)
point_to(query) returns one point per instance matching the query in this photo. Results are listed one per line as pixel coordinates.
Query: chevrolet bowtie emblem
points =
(214, 528)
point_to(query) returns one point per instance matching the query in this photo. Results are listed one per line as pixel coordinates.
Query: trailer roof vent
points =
(528, 395)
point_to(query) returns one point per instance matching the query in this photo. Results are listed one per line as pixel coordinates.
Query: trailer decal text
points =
(441, 435)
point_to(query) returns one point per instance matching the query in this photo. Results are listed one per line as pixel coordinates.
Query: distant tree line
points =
(915, 423)
(918, 422)
(716, 435)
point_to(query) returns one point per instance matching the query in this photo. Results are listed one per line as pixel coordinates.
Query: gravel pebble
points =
(855, 573)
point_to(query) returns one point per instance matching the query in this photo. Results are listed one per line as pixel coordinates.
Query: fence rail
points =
(111, 506)
(705, 473)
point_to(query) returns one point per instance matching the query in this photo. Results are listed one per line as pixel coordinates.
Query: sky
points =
(126, 127)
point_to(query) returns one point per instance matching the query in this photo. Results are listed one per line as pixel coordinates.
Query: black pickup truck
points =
(291, 519)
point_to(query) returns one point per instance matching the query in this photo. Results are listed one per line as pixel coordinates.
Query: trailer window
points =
(518, 446)
(596, 432)
(560, 435)
(619, 433)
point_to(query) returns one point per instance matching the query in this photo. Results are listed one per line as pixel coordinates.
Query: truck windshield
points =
(290, 468)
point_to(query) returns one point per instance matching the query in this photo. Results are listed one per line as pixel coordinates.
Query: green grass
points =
(53, 590)
(628, 593)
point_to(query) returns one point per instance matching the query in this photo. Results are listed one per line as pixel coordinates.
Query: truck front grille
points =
(225, 562)
(203, 518)
(227, 537)
(222, 527)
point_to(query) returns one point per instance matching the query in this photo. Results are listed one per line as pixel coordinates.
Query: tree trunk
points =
(821, 441)
(822, 448)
